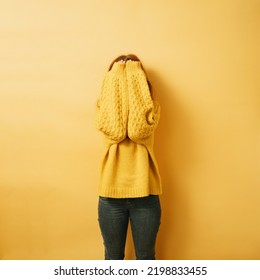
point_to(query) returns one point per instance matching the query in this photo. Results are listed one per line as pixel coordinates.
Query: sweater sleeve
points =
(111, 109)
(144, 113)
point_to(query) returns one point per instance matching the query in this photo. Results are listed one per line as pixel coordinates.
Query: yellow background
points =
(202, 58)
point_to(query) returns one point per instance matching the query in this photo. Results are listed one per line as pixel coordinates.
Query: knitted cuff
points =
(118, 68)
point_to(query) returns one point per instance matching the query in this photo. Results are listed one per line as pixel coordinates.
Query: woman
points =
(130, 182)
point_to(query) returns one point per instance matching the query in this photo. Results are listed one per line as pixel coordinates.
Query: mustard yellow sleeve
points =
(143, 112)
(111, 109)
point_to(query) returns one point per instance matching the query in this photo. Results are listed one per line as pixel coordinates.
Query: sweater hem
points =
(118, 194)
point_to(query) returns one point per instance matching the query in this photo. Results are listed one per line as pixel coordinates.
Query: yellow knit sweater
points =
(127, 116)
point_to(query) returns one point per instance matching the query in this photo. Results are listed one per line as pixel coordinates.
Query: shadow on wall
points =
(174, 153)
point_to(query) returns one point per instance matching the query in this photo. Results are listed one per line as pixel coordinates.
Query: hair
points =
(132, 57)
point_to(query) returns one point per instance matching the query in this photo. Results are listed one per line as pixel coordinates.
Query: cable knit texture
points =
(127, 116)
(112, 107)
(144, 113)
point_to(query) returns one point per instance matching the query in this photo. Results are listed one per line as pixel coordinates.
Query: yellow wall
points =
(203, 60)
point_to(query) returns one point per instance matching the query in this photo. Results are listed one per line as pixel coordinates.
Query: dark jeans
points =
(144, 214)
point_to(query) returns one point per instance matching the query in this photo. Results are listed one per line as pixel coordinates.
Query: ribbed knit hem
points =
(122, 193)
